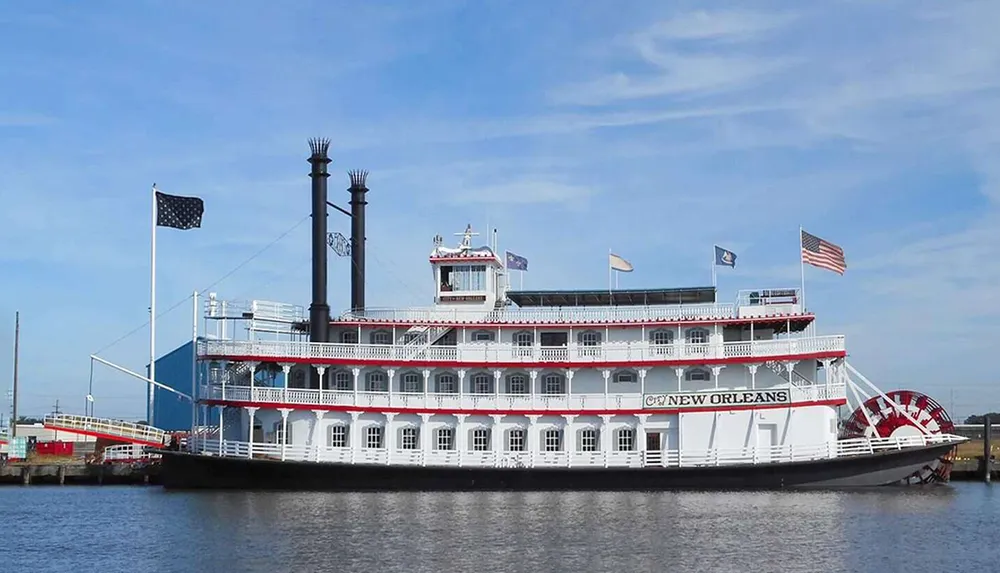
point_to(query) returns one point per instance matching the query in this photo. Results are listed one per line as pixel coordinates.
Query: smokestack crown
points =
(320, 147)
(358, 178)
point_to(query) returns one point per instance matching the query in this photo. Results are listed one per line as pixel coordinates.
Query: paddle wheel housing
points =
(887, 421)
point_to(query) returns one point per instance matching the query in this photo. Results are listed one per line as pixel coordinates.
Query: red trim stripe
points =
(524, 365)
(106, 436)
(384, 410)
(795, 318)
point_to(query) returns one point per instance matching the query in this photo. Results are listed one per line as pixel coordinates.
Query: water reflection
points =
(150, 530)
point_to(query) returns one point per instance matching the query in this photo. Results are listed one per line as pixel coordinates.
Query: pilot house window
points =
(463, 278)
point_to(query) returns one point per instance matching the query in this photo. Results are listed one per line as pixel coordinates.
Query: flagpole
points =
(714, 280)
(152, 307)
(194, 361)
(802, 269)
(521, 274)
(610, 271)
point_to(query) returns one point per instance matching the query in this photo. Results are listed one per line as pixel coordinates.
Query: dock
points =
(76, 472)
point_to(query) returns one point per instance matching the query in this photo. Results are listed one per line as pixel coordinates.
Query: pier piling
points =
(987, 448)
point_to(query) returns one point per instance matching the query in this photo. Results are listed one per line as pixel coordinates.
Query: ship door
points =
(767, 438)
(654, 441)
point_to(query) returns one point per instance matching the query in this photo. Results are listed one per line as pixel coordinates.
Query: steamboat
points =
(495, 388)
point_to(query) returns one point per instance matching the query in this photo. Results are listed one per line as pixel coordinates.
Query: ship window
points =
(590, 338)
(445, 439)
(381, 337)
(523, 338)
(342, 380)
(349, 337)
(408, 439)
(553, 384)
(376, 382)
(697, 336)
(515, 440)
(445, 384)
(336, 436)
(661, 337)
(412, 382)
(625, 377)
(482, 384)
(626, 440)
(463, 278)
(697, 375)
(373, 437)
(588, 440)
(553, 440)
(482, 336)
(480, 440)
(517, 384)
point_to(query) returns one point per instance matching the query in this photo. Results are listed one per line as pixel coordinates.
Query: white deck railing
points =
(127, 431)
(490, 352)
(455, 401)
(128, 453)
(633, 459)
(758, 303)
(540, 315)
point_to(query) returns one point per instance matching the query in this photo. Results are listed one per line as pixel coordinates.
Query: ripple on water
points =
(81, 529)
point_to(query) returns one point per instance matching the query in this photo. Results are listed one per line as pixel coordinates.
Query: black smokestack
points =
(319, 310)
(358, 203)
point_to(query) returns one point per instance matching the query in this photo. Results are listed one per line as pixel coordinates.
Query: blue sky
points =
(655, 129)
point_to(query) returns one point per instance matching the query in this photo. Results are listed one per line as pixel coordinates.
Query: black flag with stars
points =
(178, 212)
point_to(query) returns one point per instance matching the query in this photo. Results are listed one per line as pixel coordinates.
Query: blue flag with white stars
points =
(516, 262)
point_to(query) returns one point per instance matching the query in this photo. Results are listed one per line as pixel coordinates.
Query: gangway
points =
(128, 454)
(107, 428)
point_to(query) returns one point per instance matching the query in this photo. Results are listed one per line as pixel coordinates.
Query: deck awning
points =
(629, 297)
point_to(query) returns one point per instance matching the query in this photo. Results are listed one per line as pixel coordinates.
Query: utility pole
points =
(55, 410)
(17, 341)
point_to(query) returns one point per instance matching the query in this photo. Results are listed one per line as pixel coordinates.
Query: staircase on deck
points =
(421, 337)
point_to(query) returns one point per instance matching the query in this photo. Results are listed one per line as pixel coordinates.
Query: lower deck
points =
(211, 445)
(526, 440)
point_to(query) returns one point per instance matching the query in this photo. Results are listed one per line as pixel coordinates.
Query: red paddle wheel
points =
(888, 422)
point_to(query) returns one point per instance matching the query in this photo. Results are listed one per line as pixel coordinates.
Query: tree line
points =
(981, 418)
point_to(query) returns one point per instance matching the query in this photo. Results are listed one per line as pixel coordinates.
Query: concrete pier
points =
(79, 474)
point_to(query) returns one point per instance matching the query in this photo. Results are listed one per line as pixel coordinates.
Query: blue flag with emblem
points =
(724, 258)
(515, 262)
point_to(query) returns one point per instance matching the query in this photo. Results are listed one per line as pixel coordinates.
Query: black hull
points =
(188, 471)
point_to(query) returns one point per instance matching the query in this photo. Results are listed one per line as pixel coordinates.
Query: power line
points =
(224, 277)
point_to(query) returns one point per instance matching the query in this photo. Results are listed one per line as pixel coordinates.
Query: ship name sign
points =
(717, 398)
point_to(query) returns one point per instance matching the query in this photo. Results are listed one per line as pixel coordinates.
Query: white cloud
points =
(526, 192)
(719, 25)
(683, 70)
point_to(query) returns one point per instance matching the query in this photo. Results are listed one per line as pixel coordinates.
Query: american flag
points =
(822, 254)
(178, 212)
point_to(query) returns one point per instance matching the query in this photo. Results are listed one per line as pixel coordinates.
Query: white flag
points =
(619, 264)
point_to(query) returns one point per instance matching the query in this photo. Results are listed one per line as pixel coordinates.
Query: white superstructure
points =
(487, 376)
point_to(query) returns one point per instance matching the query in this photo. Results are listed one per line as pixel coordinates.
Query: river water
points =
(109, 529)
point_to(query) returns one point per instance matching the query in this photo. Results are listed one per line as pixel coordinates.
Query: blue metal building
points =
(176, 369)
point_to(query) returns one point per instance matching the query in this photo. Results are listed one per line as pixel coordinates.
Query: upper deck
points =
(603, 307)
